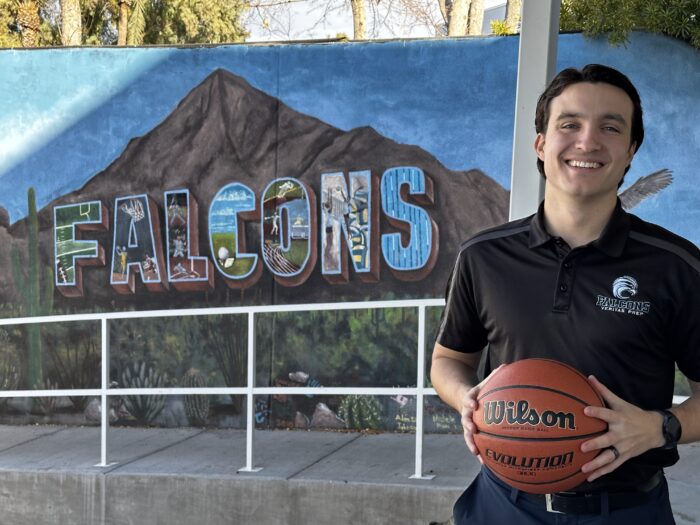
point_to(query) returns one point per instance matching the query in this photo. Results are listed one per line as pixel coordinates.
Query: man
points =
(585, 283)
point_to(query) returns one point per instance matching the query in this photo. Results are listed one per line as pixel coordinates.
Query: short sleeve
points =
(460, 326)
(686, 332)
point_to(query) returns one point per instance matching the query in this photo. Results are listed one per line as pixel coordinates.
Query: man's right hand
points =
(469, 405)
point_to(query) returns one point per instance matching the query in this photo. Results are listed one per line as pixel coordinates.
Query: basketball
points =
(531, 425)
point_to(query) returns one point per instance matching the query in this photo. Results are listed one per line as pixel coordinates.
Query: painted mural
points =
(251, 172)
(139, 179)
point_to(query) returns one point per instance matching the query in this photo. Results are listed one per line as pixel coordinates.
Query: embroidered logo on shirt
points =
(624, 288)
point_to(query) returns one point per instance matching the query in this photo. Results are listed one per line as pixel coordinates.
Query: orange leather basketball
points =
(531, 425)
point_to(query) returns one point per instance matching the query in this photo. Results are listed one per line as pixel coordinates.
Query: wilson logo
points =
(520, 413)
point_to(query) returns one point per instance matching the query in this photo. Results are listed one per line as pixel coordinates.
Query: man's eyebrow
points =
(616, 117)
(569, 114)
(607, 116)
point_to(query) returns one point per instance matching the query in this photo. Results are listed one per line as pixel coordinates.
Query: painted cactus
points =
(196, 405)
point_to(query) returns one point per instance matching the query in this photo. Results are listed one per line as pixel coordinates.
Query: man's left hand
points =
(631, 431)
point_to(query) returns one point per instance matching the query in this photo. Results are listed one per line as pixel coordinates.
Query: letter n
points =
(71, 253)
(137, 245)
(350, 220)
(412, 254)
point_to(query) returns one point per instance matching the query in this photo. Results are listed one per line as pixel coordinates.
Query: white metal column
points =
(250, 399)
(420, 397)
(104, 399)
(537, 60)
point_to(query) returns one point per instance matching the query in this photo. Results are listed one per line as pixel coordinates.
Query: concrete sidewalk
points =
(188, 476)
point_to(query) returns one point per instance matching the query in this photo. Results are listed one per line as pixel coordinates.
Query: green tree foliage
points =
(149, 22)
(9, 31)
(18, 18)
(72, 357)
(183, 21)
(351, 348)
(501, 28)
(676, 18)
(195, 21)
(216, 345)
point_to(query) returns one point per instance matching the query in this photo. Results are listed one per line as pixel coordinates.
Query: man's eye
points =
(612, 129)
(569, 125)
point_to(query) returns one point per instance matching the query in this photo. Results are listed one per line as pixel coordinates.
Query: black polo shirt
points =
(625, 308)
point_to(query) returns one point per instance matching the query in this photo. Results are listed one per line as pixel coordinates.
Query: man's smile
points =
(584, 164)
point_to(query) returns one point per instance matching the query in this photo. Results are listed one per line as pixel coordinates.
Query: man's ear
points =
(539, 146)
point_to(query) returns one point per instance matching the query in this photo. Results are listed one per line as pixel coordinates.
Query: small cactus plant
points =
(46, 405)
(361, 412)
(139, 374)
(196, 405)
(9, 366)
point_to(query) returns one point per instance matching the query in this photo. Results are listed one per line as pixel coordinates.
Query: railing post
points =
(420, 386)
(250, 399)
(104, 399)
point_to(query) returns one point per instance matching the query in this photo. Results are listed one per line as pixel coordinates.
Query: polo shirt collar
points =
(611, 241)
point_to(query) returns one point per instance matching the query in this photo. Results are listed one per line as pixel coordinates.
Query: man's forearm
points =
(452, 379)
(688, 413)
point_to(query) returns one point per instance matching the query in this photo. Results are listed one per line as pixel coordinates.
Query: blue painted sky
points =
(65, 114)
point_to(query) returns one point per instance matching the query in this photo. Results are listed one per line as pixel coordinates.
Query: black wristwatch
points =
(671, 429)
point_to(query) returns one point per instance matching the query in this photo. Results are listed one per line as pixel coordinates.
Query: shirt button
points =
(567, 265)
(563, 287)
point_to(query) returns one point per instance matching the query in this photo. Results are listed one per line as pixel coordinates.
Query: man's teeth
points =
(581, 164)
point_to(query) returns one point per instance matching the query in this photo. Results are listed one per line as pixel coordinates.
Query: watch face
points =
(673, 428)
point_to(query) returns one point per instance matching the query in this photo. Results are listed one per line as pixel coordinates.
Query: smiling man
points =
(586, 283)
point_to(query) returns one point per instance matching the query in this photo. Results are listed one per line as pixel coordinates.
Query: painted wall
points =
(115, 126)
(228, 175)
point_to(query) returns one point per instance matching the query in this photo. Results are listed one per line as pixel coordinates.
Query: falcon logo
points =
(624, 288)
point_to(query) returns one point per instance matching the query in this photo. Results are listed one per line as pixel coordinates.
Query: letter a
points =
(137, 245)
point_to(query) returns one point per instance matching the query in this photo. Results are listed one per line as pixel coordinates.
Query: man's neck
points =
(577, 222)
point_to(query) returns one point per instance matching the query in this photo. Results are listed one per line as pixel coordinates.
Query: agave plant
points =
(140, 374)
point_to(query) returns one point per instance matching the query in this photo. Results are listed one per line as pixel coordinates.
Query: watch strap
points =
(670, 428)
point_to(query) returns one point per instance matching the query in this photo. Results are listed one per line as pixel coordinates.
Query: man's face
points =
(587, 144)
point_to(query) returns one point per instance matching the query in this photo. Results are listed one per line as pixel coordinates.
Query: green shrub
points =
(361, 412)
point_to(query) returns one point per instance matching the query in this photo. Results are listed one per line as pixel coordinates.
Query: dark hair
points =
(594, 73)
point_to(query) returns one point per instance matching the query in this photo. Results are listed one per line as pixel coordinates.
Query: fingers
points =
(469, 426)
(469, 440)
(606, 414)
(469, 405)
(611, 399)
(604, 463)
(601, 442)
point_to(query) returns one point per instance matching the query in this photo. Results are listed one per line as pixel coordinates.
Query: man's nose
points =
(588, 139)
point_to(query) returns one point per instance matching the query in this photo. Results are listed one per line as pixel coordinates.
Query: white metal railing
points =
(250, 390)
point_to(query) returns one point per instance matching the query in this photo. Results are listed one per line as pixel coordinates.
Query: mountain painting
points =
(246, 175)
